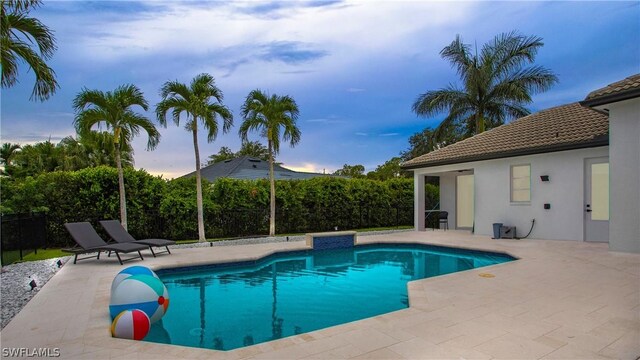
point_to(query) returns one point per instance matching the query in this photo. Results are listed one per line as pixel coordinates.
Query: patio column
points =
(418, 201)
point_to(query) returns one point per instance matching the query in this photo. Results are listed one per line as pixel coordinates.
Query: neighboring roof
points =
(249, 168)
(628, 88)
(560, 128)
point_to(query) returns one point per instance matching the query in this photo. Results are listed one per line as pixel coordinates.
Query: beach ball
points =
(130, 271)
(131, 324)
(142, 292)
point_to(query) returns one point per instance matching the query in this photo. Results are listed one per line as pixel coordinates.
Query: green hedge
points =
(161, 208)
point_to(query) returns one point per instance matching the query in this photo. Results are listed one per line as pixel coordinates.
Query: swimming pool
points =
(227, 306)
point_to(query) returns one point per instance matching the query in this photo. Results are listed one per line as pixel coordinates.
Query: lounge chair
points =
(88, 241)
(120, 235)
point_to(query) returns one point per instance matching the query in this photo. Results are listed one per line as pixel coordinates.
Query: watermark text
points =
(30, 352)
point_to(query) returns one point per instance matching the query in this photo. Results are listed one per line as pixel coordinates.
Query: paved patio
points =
(561, 300)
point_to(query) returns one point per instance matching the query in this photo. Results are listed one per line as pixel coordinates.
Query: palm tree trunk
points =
(123, 201)
(201, 236)
(479, 123)
(272, 212)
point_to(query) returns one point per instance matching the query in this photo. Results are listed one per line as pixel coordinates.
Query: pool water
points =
(227, 306)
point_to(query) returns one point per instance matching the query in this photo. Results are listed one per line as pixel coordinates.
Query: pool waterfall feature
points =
(232, 305)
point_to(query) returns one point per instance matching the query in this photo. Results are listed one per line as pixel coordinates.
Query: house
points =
(249, 168)
(574, 168)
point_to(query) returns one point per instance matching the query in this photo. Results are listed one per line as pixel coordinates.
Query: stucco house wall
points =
(564, 191)
(624, 128)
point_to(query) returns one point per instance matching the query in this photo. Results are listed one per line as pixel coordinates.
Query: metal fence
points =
(22, 234)
(25, 233)
(243, 222)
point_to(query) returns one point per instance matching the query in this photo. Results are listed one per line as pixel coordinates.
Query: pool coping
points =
(80, 326)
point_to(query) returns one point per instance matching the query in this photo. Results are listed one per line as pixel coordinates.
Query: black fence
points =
(25, 233)
(228, 223)
(22, 234)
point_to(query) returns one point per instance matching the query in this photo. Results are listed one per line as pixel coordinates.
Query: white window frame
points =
(511, 188)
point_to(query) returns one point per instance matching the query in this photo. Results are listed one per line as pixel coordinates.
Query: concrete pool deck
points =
(561, 300)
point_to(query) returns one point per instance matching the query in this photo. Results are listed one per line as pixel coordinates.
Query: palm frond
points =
(436, 101)
(458, 54)
(46, 83)
(136, 122)
(32, 28)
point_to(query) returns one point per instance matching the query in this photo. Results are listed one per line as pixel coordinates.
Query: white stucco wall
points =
(624, 158)
(448, 197)
(564, 191)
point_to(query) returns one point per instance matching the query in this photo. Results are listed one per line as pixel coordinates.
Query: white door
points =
(596, 200)
(464, 201)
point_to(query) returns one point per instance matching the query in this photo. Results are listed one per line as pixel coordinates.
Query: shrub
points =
(161, 208)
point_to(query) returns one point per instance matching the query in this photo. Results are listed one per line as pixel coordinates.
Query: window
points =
(521, 183)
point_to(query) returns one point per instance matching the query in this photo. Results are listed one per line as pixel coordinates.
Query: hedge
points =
(160, 208)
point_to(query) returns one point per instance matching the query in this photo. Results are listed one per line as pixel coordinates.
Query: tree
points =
(18, 35)
(92, 149)
(496, 83)
(389, 170)
(249, 148)
(35, 159)
(223, 154)
(273, 117)
(254, 149)
(426, 140)
(7, 152)
(352, 171)
(195, 101)
(113, 109)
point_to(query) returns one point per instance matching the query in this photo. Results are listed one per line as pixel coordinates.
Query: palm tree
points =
(18, 33)
(270, 116)
(7, 153)
(94, 148)
(195, 101)
(496, 83)
(94, 107)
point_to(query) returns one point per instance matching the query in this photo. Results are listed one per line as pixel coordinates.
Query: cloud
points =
(32, 138)
(290, 52)
(355, 90)
(361, 134)
(331, 119)
(280, 9)
(390, 134)
(309, 167)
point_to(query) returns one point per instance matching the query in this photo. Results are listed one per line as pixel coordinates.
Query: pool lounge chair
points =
(120, 235)
(88, 241)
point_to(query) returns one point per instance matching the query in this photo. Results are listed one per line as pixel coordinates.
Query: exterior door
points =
(596, 200)
(464, 201)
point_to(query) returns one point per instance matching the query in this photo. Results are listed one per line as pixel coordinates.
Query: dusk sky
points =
(354, 68)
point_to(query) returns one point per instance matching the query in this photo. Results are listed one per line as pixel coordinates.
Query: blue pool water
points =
(227, 306)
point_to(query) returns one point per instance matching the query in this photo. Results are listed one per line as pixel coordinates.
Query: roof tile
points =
(630, 83)
(562, 125)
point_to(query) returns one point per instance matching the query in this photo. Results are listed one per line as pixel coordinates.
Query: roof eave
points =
(611, 98)
(597, 142)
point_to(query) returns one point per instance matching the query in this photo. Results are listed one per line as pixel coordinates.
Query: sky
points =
(353, 67)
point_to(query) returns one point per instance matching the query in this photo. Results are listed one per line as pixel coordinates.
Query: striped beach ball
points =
(142, 292)
(131, 324)
(130, 271)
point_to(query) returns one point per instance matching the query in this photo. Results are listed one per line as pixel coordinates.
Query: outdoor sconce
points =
(33, 284)
(59, 263)
(544, 177)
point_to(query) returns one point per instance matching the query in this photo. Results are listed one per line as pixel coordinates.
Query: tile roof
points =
(626, 85)
(249, 168)
(564, 127)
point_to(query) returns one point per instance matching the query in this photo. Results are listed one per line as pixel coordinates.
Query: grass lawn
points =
(44, 254)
